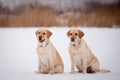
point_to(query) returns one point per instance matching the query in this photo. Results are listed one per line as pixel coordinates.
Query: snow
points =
(18, 59)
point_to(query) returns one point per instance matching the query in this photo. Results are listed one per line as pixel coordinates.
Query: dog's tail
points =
(104, 71)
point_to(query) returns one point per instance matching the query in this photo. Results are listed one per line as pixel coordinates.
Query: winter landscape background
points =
(100, 13)
(18, 60)
(57, 4)
(19, 19)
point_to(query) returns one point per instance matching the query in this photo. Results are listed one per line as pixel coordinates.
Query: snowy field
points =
(18, 60)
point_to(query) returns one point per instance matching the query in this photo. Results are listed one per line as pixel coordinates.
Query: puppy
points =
(80, 54)
(49, 59)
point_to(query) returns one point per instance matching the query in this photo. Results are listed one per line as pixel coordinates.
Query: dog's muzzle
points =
(72, 39)
(40, 39)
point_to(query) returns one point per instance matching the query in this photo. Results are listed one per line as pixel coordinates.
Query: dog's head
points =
(43, 35)
(75, 35)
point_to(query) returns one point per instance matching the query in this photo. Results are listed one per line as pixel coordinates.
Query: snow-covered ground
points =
(18, 60)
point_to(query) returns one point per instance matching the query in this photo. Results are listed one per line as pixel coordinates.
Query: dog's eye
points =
(44, 33)
(38, 32)
(70, 33)
(76, 34)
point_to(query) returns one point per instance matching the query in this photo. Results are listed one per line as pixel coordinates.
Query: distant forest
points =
(29, 13)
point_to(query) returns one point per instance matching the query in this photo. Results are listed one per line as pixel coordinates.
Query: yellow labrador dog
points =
(80, 54)
(49, 59)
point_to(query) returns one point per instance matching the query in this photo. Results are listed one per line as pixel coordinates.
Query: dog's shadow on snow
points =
(65, 73)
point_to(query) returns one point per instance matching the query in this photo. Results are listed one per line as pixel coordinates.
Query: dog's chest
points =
(44, 59)
(77, 58)
(44, 55)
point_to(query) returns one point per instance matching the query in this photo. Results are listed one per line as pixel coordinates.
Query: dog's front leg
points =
(72, 66)
(84, 66)
(51, 65)
(39, 68)
(51, 68)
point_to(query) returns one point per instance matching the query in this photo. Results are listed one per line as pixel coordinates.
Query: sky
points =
(56, 4)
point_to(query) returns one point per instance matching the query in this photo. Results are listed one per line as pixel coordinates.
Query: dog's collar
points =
(76, 44)
(44, 45)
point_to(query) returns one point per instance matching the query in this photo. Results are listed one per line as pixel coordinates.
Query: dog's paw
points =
(84, 72)
(51, 72)
(72, 72)
(37, 72)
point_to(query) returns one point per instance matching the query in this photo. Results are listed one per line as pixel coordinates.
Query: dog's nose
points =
(72, 39)
(40, 37)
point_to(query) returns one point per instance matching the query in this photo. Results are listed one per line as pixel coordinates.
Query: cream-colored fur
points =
(81, 56)
(48, 57)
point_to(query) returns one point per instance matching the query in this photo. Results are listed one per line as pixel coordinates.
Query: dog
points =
(80, 54)
(49, 60)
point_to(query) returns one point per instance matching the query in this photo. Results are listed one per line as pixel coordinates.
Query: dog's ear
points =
(81, 33)
(49, 33)
(36, 32)
(68, 33)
